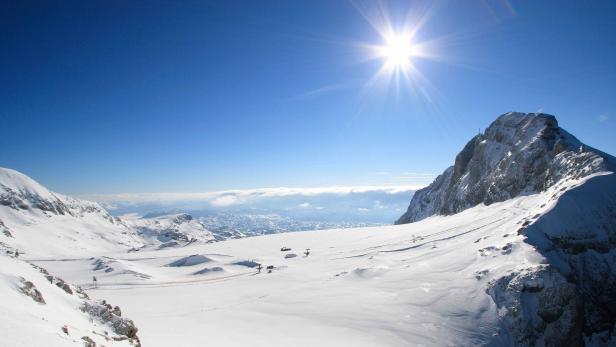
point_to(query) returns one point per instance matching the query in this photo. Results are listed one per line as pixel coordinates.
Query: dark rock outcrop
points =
(29, 289)
(541, 306)
(111, 316)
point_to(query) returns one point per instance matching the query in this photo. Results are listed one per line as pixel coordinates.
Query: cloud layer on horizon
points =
(240, 196)
(380, 203)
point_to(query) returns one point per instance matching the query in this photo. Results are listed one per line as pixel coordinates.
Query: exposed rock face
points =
(5, 231)
(30, 290)
(112, 316)
(517, 154)
(578, 237)
(539, 305)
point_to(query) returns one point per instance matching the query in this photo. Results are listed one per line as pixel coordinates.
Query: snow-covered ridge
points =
(39, 222)
(42, 223)
(170, 229)
(517, 154)
(20, 192)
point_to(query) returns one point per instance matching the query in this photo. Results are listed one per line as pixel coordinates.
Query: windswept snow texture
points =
(43, 223)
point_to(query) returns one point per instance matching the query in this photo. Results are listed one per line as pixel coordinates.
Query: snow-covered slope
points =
(38, 309)
(170, 230)
(469, 279)
(39, 222)
(517, 154)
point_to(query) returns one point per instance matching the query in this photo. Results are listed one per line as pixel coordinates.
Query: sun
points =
(397, 51)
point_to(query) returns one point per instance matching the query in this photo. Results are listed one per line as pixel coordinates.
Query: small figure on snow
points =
(16, 253)
(94, 282)
(307, 252)
(259, 267)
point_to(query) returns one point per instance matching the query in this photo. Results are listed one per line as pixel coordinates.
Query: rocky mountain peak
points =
(518, 153)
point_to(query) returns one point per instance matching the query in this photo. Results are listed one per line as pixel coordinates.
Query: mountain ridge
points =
(519, 153)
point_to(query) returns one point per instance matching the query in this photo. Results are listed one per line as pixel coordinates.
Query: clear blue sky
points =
(180, 96)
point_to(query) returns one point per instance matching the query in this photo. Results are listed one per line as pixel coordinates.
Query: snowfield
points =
(516, 251)
(417, 284)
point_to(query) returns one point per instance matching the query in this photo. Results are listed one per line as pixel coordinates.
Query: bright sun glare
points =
(401, 48)
(397, 51)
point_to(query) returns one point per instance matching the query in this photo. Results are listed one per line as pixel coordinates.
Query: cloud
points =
(603, 117)
(236, 197)
(224, 200)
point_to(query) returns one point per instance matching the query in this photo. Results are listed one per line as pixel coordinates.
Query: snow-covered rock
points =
(162, 230)
(38, 309)
(38, 222)
(539, 307)
(517, 154)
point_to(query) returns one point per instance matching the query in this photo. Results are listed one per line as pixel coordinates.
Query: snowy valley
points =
(514, 245)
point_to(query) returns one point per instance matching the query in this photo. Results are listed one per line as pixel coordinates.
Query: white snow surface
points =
(419, 284)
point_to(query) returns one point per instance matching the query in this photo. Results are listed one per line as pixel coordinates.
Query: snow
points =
(25, 322)
(47, 224)
(191, 260)
(168, 228)
(445, 280)
(388, 286)
(18, 182)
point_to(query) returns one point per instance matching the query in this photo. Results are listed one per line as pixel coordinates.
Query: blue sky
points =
(164, 96)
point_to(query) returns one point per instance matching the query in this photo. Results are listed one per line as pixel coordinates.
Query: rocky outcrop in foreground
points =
(35, 304)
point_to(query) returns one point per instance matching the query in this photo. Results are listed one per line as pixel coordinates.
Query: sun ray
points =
(399, 49)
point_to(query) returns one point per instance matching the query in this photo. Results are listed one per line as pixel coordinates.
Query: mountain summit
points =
(519, 153)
